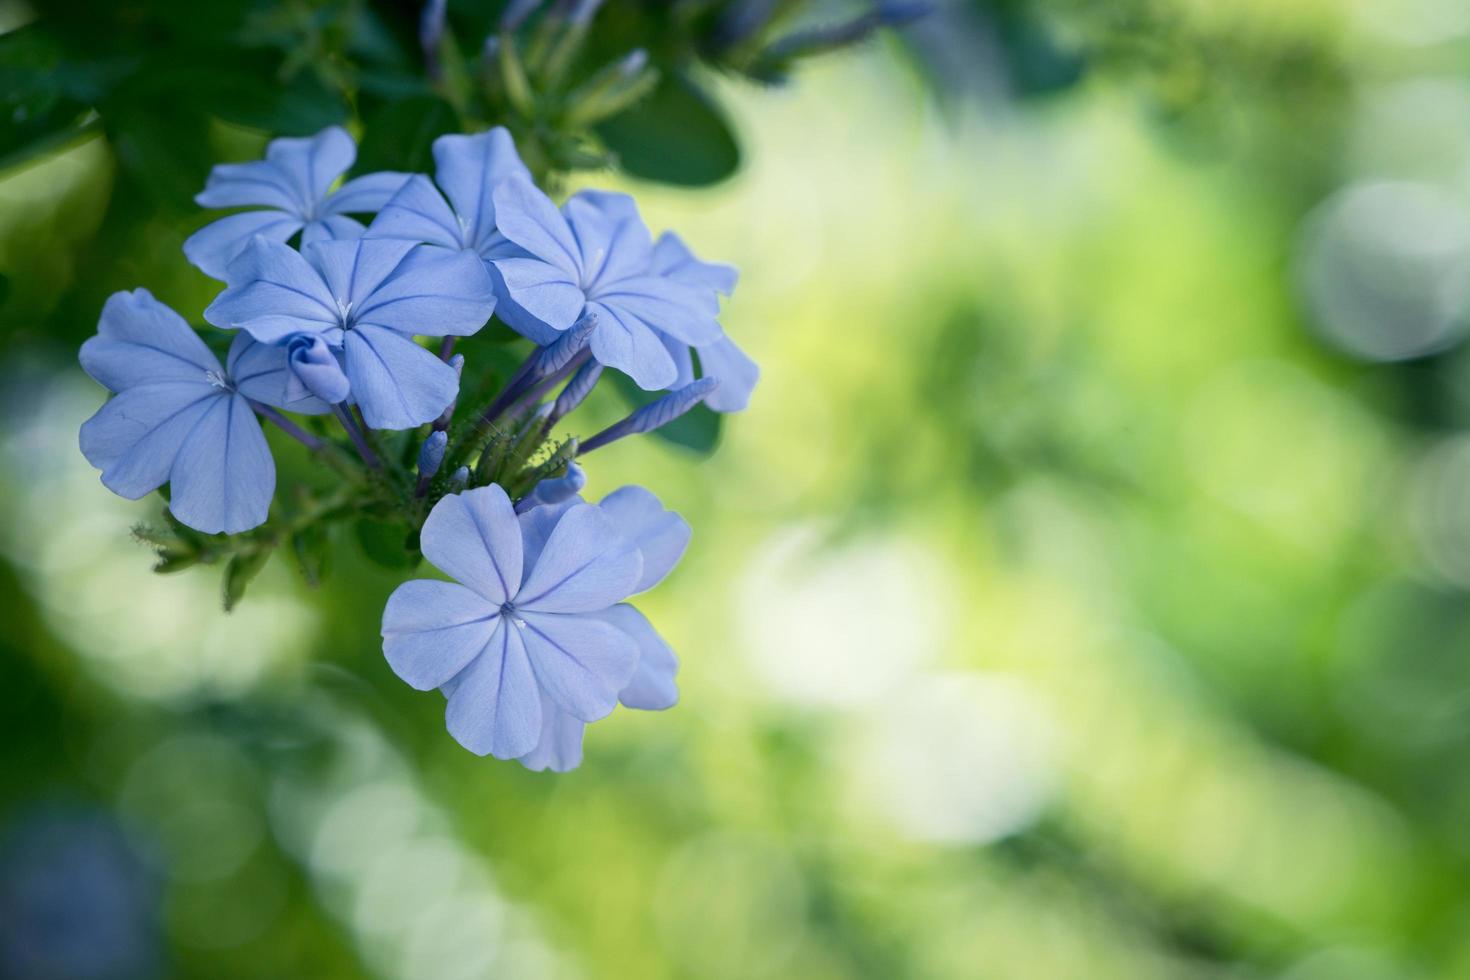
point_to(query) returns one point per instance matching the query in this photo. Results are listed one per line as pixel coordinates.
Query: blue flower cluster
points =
(533, 639)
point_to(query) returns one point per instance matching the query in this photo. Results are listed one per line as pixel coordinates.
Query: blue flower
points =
(528, 630)
(292, 183)
(367, 299)
(595, 257)
(468, 169)
(721, 358)
(178, 416)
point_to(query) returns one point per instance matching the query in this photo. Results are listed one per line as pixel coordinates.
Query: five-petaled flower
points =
(293, 184)
(533, 639)
(366, 298)
(179, 417)
(595, 256)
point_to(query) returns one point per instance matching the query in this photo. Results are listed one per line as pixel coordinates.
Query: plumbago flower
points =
(180, 418)
(595, 259)
(532, 640)
(293, 184)
(468, 169)
(366, 299)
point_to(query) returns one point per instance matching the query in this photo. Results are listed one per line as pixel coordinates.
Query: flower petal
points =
(259, 183)
(495, 708)
(434, 292)
(659, 535)
(312, 163)
(527, 217)
(419, 213)
(738, 375)
(536, 527)
(141, 341)
(366, 194)
(613, 239)
(683, 312)
(332, 227)
(581, 662)
(273, 292)
(538, 299)
(135, 438)
(671, 257)
(586, 565)
(683, 360)
(223, 478)
(652, 686)
(474, 537)
(432, 630)
(395, 382)
(353, 270)
(213, 247)
(469, 168)
(624, 342)
(559, 747)
(262, 372)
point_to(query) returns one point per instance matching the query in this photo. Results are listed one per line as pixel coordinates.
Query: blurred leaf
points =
(174, 561)
(678, 135)
(399, 137)
(239, 572)
(386, 543)
(312, 549)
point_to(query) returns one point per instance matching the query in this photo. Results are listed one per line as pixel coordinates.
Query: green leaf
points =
(174, 561)
(242, 568)
(387, 543)
(399, 137)
(312, 549)
(678, 135)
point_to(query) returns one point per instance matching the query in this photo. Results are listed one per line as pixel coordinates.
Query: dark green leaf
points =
(312, 549)
(387, 543)
(239, 572)
(174, 561)
(399, 137)
(678, 135)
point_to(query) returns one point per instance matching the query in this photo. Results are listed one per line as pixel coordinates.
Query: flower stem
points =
(290, 428)
(359, 439)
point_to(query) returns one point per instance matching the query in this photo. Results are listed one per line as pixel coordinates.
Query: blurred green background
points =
(1082, 596)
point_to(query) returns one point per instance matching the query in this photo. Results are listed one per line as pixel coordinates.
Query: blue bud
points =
(431, 453)
(554, 491)
(655, 414)
(314, 370)
(576, 390)
(457, 362)
(459, 478)
(555, 355)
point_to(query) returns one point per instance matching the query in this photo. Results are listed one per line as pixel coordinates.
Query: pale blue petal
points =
(536, 527)
(223, 478)
(585, 566)
(136, 436)
(354, 270)
(538, 299)
(432, 630)
(469, 168)
(395, 382)
(624, 342)
(434, 292)
(316, 371)
(141, 341)
(613, 240)
(527, 217)
(366, 194)
(475, 538)
(660, 535)
(213, 247)
(495, 707)
(683, 360)
(683, 312)
(738, 375)
(313, 163)
(672, 257)
(259, 183)
(419, 213)
(272, 284)
(559, 747)
(581, 662)
(262, 372)
(652, 686)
